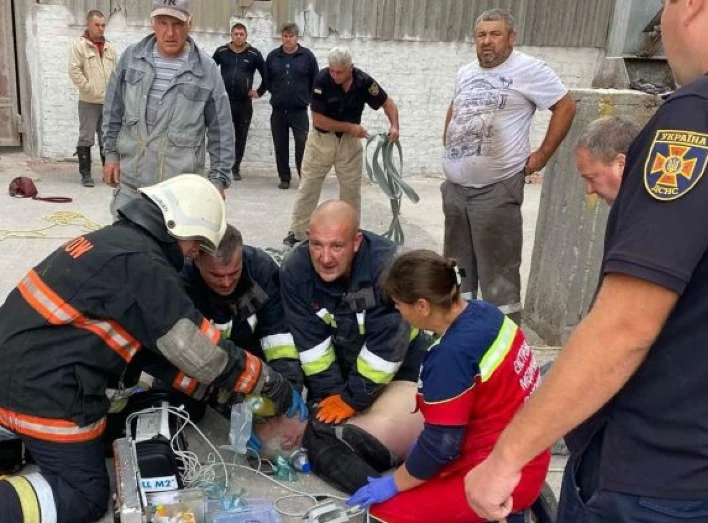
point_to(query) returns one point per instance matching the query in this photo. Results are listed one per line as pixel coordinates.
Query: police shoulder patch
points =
(675, 163)
(374, 89)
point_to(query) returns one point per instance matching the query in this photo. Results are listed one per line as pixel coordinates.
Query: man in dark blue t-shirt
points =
(630, 383)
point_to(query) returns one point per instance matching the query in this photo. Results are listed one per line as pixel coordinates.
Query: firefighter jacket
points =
(75, 321)
(351, 342)
(252, 315)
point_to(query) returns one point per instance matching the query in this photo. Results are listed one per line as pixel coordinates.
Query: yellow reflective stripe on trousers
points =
(375, 367)
(28, 498)
(277, 346)
(318, 358)
(499, 349)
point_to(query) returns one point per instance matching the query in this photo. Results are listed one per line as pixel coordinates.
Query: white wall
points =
(418, 75)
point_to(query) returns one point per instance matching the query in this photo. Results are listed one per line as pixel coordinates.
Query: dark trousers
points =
(582, 501)
(241, 114)
(484, 233)
(77, 475)
(345, 456)
(281, 121)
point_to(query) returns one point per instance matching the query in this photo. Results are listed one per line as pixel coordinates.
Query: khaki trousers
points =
(322, 152)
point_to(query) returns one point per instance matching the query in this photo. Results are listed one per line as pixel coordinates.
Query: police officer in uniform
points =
(630, 384)
(72, 326)
(238, 61)
(351, 342)
(239, 289)
(341, 91)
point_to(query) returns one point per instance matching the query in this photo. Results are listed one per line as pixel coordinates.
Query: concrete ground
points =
(30, 230)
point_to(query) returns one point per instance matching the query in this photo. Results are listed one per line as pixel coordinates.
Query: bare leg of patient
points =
(391, 420)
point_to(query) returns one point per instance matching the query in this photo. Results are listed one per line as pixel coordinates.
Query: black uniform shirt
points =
(237, 70)
(290, 78)
(656, 428)
(329, 99)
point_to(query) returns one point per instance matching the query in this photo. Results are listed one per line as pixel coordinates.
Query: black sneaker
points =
(290, 240)
(236, 176)
(86, 180)
(284, 185)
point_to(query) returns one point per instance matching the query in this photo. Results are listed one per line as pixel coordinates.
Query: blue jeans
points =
(605, 506)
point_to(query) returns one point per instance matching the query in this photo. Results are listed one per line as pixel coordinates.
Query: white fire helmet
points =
(192, 207)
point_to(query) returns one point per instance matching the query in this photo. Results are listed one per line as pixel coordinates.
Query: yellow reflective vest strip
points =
(277, 346)
(499, 349)
(327, 317)
(318, 358)
(376, 368)
(28, 499)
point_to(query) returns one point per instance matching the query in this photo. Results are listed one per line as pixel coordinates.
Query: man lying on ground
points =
(368, 444)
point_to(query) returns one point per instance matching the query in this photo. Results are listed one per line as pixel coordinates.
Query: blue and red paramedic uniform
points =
(472, 382)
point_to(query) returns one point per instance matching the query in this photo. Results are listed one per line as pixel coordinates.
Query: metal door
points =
(9, 107)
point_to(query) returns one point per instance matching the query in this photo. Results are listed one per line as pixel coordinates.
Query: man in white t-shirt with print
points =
(488, 154)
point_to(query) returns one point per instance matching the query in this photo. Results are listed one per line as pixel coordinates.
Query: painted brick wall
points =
(418, 75)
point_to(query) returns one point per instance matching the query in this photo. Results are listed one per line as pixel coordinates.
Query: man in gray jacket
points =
(163, 97)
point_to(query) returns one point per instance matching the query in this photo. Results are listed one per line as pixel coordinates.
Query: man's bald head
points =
(336, 212)
(334, 239)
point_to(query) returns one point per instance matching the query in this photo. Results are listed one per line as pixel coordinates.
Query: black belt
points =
(339, 134)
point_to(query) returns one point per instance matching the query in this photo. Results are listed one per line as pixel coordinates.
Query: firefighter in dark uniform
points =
(630, 383)
(340, 93)
(351, 342)
(238, 61)
(239, 290)
(74, 323)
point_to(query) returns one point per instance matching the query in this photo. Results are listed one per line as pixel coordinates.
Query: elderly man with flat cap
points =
(164, 97)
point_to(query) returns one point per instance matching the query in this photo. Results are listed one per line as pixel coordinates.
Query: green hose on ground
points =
(382, 170)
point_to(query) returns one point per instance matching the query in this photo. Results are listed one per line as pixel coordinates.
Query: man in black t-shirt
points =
(338, 98)
(238, 61)
(630, 385)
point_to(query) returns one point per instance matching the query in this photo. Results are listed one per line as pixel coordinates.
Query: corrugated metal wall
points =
(566, 23)
(209, 15)
(79, 8)
(558, 23)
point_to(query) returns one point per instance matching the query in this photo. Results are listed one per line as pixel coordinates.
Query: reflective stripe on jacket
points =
(350, 341)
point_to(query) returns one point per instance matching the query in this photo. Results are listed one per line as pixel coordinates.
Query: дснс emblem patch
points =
(676, 161)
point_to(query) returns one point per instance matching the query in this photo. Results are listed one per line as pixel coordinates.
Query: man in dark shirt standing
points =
(238, 61)
(339, 95)
(291, 70)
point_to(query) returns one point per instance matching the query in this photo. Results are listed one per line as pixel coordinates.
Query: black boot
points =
(84, 154)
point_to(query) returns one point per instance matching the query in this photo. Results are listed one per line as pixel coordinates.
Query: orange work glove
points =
(333, 409)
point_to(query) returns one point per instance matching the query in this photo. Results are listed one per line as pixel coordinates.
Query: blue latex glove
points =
(254, 443)
(377, 490)
(297, 407)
